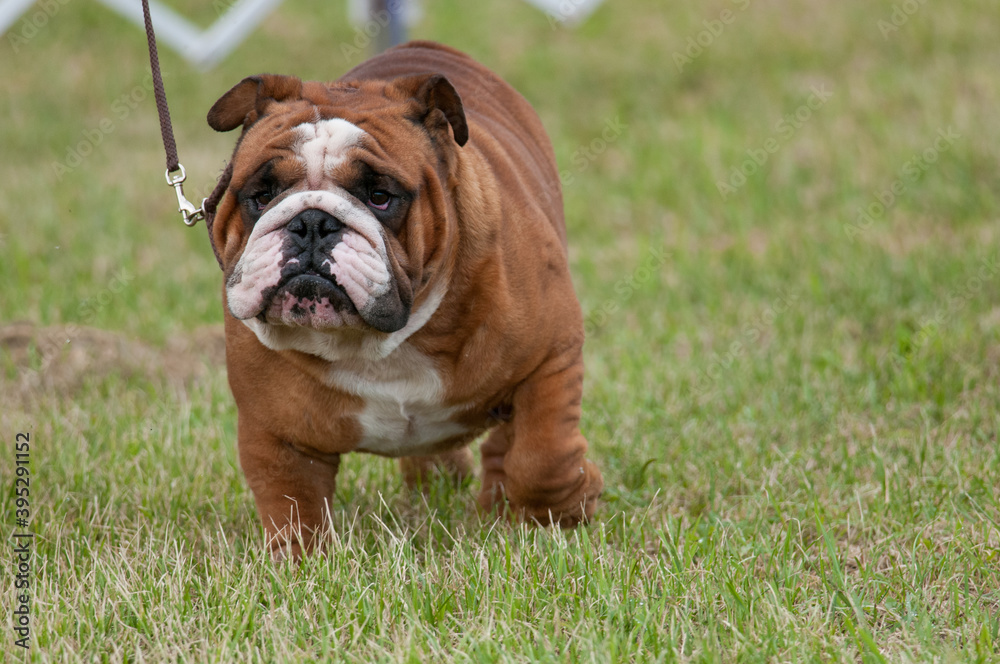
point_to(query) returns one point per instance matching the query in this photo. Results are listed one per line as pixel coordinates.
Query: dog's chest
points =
(403, 395)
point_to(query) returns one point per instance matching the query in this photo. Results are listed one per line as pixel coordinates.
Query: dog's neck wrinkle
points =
(475, 246)
(475, 197)
(312, 365)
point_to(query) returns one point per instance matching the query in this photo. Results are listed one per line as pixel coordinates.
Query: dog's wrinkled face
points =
(319, 218)
(324, 224)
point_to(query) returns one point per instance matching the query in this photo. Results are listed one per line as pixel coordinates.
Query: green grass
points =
(797, 423)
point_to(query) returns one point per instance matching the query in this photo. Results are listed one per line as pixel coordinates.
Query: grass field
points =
(784, 229)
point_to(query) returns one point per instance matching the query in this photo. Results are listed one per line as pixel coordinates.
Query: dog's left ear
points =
(248, 100)
(436, 96)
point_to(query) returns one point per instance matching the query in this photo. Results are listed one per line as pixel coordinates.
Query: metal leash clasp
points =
(184, 206)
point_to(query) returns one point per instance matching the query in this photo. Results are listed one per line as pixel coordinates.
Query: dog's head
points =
(335, 207)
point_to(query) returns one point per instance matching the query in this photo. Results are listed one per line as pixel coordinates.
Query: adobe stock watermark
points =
(957, 299)
(584, 156)
(223, 6)
(625, 289)
(750, 333)
(201, 187)
(482, 92)
(86, 312)
(32, 25)
(714, 28)
(568, 10)
(784, 130)
(91, 138)
(369, 30)
(899, 16)
(885, 199)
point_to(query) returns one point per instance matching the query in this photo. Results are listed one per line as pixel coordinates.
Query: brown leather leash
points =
(175, 170)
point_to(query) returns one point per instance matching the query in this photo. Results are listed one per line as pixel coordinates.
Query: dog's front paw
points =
(576, 505)
(566, 506)
(282, 551)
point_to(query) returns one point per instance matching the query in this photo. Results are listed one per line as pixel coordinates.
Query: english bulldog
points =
(396, 283)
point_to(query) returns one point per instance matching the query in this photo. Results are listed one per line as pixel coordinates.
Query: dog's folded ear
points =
(248, 100)
(436, 97)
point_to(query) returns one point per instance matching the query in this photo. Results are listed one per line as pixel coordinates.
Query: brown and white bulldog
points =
(396, 283)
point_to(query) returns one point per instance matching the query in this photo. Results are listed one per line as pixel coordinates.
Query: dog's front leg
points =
(537, 460)
(293, 490)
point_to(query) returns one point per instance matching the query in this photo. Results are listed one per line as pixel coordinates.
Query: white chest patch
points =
(403, 394)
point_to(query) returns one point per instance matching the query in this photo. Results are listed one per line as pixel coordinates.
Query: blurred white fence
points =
(206, 47)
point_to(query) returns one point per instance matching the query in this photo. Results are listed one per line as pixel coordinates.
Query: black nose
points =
(314, 225)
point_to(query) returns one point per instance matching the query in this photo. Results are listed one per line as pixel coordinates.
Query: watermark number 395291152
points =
(22, 541)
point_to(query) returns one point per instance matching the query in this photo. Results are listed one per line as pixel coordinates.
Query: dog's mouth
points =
(310, 300)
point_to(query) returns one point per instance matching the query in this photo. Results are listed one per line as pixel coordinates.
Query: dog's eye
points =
(379, 199)
(261, 199)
